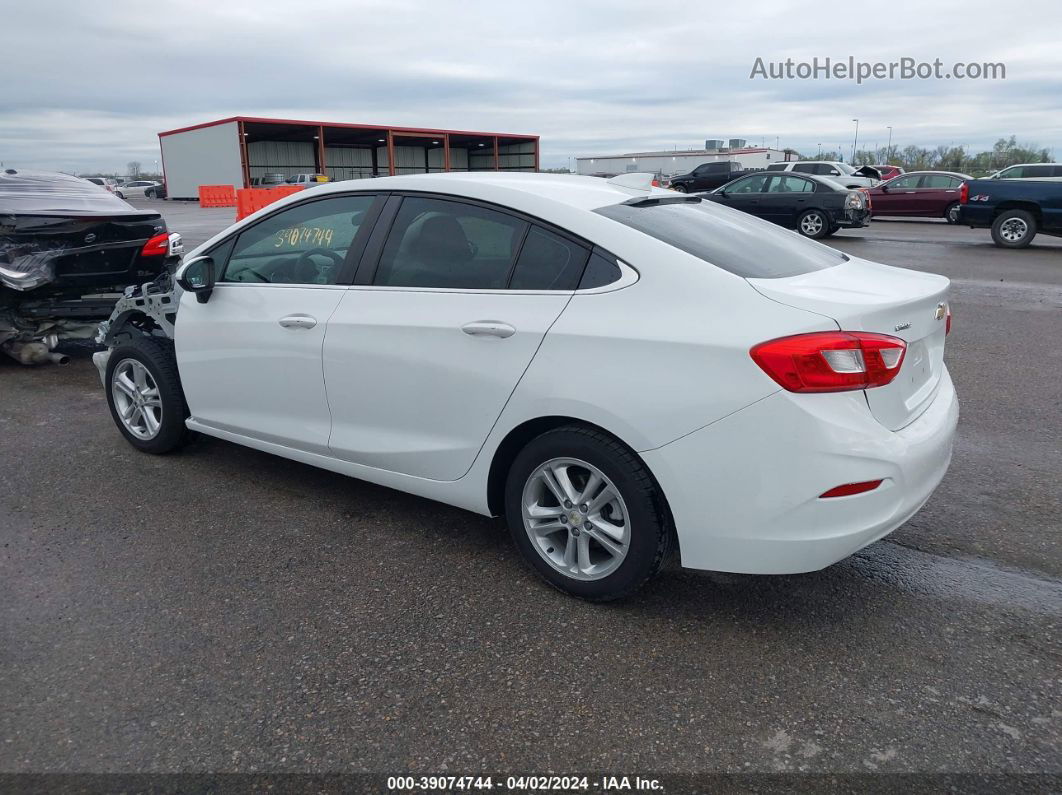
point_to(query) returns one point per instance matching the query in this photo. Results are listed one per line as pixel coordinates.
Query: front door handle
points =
(488, 328)
(298, 321)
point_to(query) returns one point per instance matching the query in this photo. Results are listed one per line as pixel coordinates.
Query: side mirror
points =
(197, 276)
(884, 187)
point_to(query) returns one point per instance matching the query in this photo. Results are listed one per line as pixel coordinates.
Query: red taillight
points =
(848, 489)
(157, 246)
(947, 321)
(964, 193)
(831, 361)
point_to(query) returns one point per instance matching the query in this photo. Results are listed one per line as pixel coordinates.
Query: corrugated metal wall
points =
(281, 157)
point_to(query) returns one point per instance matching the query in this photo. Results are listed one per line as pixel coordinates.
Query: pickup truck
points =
(1014, 209)
(707, 176)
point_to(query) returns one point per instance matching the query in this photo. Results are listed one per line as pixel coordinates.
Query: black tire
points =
(951, 213)
(149, 193)
(157, 356)
(1002, 233)
(823, 225)
(119, 194)
(680, 188)
(833, 230)
(651, 535)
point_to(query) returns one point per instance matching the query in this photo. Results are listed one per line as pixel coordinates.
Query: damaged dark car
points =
(68, 249)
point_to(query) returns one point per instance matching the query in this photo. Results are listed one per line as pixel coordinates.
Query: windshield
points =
(845, 168)
(729, 239)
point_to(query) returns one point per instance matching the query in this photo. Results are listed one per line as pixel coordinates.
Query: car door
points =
(250, 356)
(897, 197)
(785, 197)
(425, 349)
(936, 192)
(746, 194)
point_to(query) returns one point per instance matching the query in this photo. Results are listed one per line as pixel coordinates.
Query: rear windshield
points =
(729, 239)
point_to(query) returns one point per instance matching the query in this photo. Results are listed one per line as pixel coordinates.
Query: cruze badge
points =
(901, 326)
(942, 310)
(90, 237)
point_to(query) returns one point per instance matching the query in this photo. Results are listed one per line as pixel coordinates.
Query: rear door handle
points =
(488, 328)
(298, 321)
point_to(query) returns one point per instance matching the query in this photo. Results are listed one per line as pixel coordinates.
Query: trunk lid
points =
(864, 296)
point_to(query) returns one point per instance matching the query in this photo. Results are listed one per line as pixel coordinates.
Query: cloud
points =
(93, 83)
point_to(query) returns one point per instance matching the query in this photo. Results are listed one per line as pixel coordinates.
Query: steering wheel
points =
(304, 257)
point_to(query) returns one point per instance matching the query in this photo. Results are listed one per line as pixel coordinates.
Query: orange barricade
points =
(217, 196)
(251, 200)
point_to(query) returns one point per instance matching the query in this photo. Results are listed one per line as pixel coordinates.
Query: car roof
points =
(24, 191)
(933, 171)
(502, 187)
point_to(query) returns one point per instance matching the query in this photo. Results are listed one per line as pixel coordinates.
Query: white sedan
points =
(616, 369)
(140, 187)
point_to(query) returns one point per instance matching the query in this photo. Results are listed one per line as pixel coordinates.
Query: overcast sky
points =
(88, 85)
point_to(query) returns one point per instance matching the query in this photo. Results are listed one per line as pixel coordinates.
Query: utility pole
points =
(888, 150)
(855, 141)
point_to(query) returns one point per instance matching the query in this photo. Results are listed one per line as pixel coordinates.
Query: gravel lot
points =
(222, 609)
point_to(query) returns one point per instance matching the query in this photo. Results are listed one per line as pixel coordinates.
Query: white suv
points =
(1030, 171)
(841, 173)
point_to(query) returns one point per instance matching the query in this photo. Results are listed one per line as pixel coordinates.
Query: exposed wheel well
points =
(519, 436)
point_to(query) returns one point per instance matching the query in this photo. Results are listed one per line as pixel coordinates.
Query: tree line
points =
(1005, 152)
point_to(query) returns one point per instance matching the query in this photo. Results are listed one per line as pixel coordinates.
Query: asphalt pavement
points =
(223, 609)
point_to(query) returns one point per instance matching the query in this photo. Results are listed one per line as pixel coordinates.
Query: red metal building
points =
(239, 149)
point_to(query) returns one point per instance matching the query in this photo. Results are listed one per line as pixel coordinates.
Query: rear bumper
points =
(744, 491)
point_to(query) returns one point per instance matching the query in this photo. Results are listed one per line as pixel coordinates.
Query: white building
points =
(680, 161)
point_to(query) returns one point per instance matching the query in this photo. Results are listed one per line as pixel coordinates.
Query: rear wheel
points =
(144, 394)
(119, 194)
(1014, 229)
(952, 213)
(813, 224)
(149, 193)
(586, 514)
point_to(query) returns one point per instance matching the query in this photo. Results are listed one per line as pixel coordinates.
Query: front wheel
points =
(680, 188)
(952, 213)
(1014, 229)
(586, 514)
(145, 396)
(813, 224)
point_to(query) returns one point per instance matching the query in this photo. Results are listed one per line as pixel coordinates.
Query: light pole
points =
(820, 151)
(888, 149)
(855, 141)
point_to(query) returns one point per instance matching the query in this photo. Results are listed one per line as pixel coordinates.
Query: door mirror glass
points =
(197, 276)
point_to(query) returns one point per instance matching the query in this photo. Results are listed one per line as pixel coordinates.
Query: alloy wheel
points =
(576, 519)
(136, 398)
(811, 224)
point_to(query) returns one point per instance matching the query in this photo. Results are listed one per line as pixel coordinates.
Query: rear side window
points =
(805, 168)
(729, 239)
(548, 262)
(600, 270)
(439, 243)
(777, 167)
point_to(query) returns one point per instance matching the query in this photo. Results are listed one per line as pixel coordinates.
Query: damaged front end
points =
(149, 308)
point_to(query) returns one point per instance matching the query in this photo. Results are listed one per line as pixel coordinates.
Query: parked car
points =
(306, 180)
(612, 367)
(814, 206)
(268, 181)
(138, 187)
(111, 185)
(1029, 171)
(1016, 210)
(888, 172)
(707, 176)
(63, 243)
(927, 194)
(863, 177)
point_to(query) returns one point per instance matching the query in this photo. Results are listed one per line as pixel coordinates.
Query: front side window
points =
(303, 244)
(727, 238)
(904, 183)
(748, 185)
(450, 244)
(1017, 172)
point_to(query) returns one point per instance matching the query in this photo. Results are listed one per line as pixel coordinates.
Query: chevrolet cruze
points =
(616, 369)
